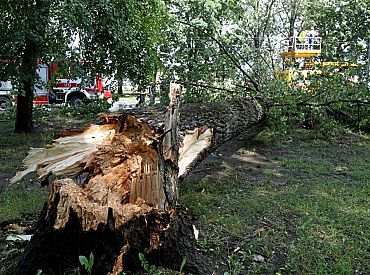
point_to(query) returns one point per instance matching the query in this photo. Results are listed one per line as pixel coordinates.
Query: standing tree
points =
(23, 25)
(109, 36)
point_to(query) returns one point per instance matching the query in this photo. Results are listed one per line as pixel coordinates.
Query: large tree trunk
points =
(34, 43)
(23, 122)
(119, 86)
(123, 198)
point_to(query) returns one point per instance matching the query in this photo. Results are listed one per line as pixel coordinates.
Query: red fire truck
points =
(65, 91)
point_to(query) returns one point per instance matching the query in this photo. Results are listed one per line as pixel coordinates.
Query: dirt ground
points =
(233, 156)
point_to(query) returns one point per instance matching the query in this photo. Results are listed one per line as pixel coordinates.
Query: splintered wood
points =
(123, 173)
(91, 213)
(131, 155)
(67, 155)
(193, 144)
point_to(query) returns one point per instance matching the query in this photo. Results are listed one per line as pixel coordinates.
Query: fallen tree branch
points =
(228, 54)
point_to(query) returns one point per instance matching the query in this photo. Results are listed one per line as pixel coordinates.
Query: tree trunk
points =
(119, 88)
(23, 122)
(33, 47)
(123, 198)
(152, 94)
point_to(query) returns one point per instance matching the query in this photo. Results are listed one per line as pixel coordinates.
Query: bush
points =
(88, 111)
(330, 101)
(8, 114)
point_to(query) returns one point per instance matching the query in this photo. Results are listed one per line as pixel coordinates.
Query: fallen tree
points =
(116, 189)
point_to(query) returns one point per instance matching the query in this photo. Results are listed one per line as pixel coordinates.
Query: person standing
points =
(311, 35)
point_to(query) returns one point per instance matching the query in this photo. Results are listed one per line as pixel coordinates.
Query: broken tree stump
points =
(116, 189)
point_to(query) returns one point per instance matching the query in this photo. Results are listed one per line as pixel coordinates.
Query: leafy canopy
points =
(108, 36)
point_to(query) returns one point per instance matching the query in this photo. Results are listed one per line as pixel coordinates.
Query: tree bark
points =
(23, 121)
(34, 44)
(119, 87)
(123, 199)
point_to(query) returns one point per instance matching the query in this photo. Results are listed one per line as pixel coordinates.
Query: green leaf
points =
(83, 261)
(183, 263)
(91, 262)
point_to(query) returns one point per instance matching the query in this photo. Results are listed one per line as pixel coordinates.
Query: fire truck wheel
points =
(5, 102)
(76, 101)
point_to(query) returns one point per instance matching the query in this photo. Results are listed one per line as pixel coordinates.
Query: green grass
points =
(15, 148)
(21, 200)
(315, 223)
(314, 219)
(24, 198)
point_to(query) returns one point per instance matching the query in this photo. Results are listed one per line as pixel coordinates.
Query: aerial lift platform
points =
(304, 47)
(293, 47)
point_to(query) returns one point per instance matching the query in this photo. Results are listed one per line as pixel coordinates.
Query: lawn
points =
(277, 204)
(27, 197)
(288, 204)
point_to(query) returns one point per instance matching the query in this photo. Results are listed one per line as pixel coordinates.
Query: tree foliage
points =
(109, 37)
(217, 49)
(229, 45)
(337, 93)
